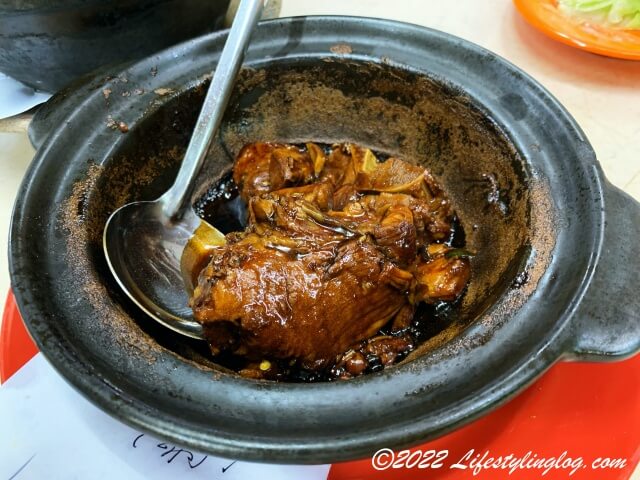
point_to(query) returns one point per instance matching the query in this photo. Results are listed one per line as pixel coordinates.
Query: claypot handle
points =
(607, 321)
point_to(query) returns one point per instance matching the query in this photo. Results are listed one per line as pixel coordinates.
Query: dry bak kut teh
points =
(338, 253)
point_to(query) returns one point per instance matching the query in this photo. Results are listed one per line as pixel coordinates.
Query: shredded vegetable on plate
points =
(622, 14)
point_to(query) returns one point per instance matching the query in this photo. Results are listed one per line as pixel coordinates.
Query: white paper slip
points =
(49, 431)
(16, 97)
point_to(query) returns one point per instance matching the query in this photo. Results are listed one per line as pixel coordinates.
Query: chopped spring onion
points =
(459, 252)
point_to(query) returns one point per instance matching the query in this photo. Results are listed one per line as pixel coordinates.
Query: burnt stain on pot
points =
(497, 196)
(341, 49)
(515, 105)
(294, 36)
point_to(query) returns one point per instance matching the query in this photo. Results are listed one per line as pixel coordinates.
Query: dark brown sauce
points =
(223, 207)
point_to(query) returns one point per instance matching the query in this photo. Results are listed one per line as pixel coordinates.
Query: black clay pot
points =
(554, 277)
(48, 43)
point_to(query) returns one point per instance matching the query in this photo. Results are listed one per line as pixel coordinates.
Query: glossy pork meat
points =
(338, 246)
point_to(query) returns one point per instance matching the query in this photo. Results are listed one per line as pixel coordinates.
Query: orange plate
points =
(576, 32)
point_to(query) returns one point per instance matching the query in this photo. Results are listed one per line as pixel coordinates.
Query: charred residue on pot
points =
(341, 49)
(143, 168)
(515, 105)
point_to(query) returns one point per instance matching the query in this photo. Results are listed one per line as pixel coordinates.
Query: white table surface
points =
(603, 94)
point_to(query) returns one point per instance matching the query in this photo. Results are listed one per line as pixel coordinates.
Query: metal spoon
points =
(144, 241)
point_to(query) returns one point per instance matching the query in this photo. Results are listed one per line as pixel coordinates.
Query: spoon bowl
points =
(144, 250)
(149, 246)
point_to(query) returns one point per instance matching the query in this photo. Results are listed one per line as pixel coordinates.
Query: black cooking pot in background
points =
(555, 275)
(48, 43)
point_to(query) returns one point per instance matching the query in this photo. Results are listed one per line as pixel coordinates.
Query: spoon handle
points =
(177, 199)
